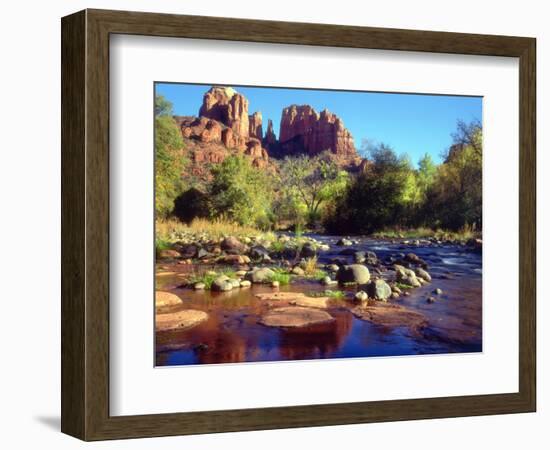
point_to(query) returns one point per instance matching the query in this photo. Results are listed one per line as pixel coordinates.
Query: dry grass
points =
(213, 228)
(465, 233)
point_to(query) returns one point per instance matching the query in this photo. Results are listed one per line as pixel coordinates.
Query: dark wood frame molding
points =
(85, 224)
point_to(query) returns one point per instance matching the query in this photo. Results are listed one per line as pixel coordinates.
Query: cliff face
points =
(303, 130)
(223, 128)
(227, 106)
(255, 125)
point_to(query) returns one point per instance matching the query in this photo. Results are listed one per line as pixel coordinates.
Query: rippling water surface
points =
(232, 332)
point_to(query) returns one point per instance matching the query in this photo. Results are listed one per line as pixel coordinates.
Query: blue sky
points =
(410, 123)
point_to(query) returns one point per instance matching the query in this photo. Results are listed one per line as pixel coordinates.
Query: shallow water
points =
(232, 332)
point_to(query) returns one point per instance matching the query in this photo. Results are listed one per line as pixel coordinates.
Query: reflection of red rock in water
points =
(316, 341)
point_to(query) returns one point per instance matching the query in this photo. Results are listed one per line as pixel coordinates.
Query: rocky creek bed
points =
(227, 300)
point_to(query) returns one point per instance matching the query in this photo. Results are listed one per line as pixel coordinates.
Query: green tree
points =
(239, 192)
(378, 197)
(308, 183)
(169, 159)
(455, 198)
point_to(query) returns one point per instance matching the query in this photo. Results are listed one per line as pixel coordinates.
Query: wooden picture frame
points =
(85, 224)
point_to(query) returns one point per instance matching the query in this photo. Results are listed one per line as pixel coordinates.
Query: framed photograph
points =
(273, 225)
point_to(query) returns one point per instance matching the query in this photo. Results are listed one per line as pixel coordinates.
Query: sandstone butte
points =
(224, 127)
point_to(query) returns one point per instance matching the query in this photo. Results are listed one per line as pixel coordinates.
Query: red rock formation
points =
(227, 106)
(270, 137)
(303, 130)
(255, 125)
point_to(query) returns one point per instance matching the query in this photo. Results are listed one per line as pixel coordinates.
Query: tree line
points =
(314, 192)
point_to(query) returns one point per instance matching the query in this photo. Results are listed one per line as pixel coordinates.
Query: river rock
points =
(233, 246)
(259, 253)
(245, 284)
(260, 275)
(361, 296)
(354, 273)
(169, 254)
(344, 242)
(406, 276)
(295, 316)
(308, 250)
(298, 271)
(421, 273)
(379, 290)
(359, 257)
(327, 281)
(333, 267)
(187, 250)
(413, 258)
(275, 284)
(199, 286)
(430, 299)
(180, 320)
(391, 316)
(221, 284)
(163, 299)
(437, 291)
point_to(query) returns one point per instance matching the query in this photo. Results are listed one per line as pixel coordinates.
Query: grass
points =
(310, 267)
(277, 246)
(208, 278)
(403, 286)
(281, 275)
(161, 244)
(464, 234)
(215, 229)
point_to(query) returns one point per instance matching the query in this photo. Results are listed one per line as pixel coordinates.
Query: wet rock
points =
(412, 258)
(437, 291)
(344, 242)
(233, 246)
(406, 276)
(221, 284)
(361, 296)
(234, 259)
(421, 273)
(295, 298)
(163, 299)
(235, 283)
(431, 299)
(245, 284)
(260, 275)
(259, 253)
(396, 289)
(379, 290)
(202, 253)
(333, 267)
(308, 250)
(169, 254)
(295, 316)
(392, 316)
(187, 250)
(180, 320)
(275, 284)
(354, 273)
(298, 271)
(394, 295)
(199, 286)
(359, 257)
(327, 281)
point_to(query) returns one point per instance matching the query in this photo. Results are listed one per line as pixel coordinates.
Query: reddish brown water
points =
(232, 332)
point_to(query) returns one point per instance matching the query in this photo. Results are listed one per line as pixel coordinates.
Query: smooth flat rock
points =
(180, 320)
(295, 298)
(295, 316)
(391, 316)
(166, 299)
